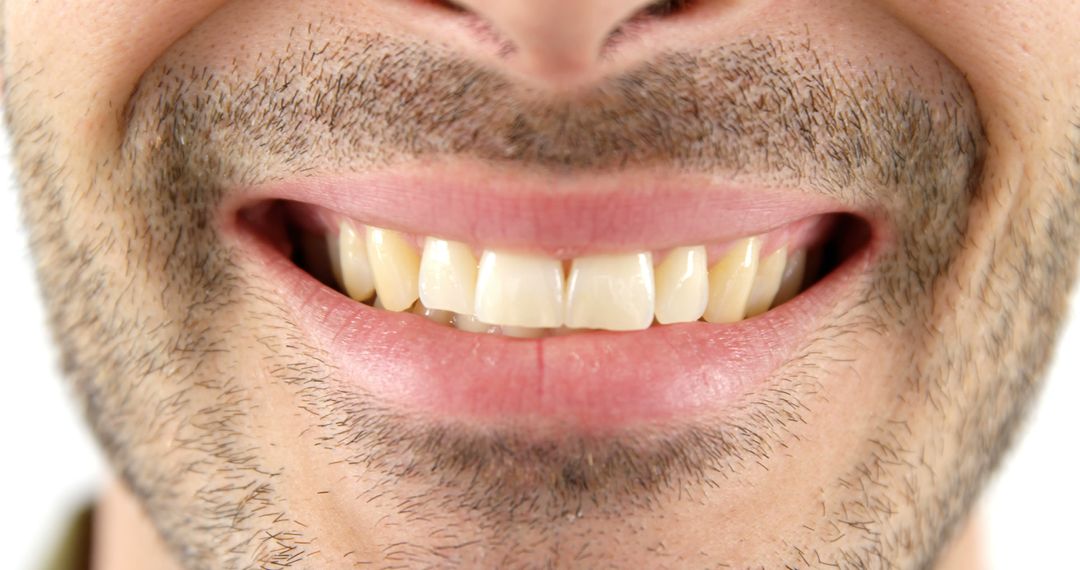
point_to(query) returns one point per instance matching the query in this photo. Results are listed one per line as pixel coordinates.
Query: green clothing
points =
(73, 550)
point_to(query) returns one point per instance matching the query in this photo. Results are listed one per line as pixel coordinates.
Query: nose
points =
(561, 37)
(556, 40)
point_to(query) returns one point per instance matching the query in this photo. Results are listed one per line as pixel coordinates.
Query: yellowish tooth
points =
(791, 282)
(522, 332)
(519, 290)
(730, 280)
(435, 315)
(611, 292)
(766, 283)
(682, 286)
(447, 276)
(351, 263)
(395, 267)
(469, 323)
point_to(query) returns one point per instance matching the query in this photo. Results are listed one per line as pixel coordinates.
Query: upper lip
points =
(558, 216)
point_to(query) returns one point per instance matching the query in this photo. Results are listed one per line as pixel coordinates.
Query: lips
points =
(594, 381)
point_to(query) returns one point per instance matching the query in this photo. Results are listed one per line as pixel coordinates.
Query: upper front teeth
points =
(682, 286)
(612, 292)
(447, 276)
(519, 290)
(520, 294)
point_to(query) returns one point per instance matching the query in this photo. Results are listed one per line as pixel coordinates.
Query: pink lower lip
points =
(591, 382)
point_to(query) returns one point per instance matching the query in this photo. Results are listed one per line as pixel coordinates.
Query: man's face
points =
(205, 182)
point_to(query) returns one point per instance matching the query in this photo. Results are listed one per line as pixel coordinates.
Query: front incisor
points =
(519, 290)
(611, 292)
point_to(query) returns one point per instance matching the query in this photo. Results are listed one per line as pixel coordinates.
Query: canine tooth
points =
(522, 332)
(351, 263)
(682, 286)
(447, 276)
(792, 280)
(611, 292)
(730, 280)
(469, 323)
(519, 290)
(766, 283)
(395, 267)
(434, 315)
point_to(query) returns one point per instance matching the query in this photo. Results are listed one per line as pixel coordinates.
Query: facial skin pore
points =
(953, 124)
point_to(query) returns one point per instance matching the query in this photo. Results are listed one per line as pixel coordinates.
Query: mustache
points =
(754, 106)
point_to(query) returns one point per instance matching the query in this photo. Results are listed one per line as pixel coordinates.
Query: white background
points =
(50, 463)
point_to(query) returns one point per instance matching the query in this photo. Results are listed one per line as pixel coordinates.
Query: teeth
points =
(682, 286)
(730, 280)
(435, 315)
(766, 283)
(447, 276)
(791, 281)
(469, 323)
(350, 263)
(395, 267)
(519, 290)
(522, 332)
(527, 296)
(611, 292)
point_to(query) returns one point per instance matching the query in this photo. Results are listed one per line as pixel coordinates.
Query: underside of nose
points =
(560, 39)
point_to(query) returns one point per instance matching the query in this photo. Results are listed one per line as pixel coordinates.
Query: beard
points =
(183, 358)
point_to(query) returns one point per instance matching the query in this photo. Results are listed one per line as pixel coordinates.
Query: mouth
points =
(584, 305)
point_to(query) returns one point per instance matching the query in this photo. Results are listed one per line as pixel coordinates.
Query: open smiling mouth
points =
(595, 334)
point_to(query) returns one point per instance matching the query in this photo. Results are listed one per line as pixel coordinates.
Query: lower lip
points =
(589, 382)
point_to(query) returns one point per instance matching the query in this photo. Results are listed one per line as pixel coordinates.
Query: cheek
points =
(92, 54)
(1017, 82)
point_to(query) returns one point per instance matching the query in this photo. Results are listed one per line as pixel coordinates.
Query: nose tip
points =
(558, 39)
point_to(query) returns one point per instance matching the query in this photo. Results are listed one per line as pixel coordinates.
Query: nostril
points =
(650, 14)
(557, 42)
(448, 5)
(480, 27)
(664, 8)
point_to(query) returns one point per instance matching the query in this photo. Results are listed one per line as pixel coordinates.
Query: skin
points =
(133, 120)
